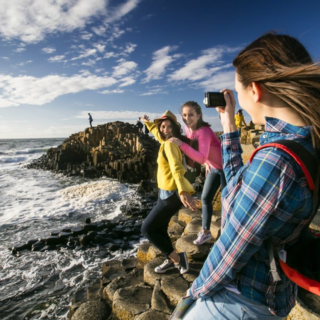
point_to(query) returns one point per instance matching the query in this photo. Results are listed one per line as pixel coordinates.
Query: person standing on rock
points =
(174, 190)
(269, 199)
(239, 120)
(90, 119)
(209, 153)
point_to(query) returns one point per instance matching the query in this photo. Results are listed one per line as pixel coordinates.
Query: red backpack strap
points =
(299, 153)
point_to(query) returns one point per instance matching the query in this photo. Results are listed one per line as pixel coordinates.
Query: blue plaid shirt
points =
(268, 199)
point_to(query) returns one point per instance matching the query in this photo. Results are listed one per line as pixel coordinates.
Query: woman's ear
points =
(256, 91)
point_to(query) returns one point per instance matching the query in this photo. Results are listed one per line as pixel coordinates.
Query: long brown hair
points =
(283, 66)
(195, 106)
(176, 130)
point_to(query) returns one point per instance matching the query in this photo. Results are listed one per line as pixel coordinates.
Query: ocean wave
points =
(32, 151)
(96, 191)
(12, 159)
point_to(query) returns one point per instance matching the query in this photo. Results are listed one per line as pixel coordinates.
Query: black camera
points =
(214, 99)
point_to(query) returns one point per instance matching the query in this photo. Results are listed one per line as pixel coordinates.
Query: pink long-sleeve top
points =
(209, 147)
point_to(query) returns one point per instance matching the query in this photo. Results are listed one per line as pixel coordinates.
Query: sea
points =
(40, 285)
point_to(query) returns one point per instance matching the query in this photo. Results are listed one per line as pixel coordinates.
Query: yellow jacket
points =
(170, 175)
(239, 120)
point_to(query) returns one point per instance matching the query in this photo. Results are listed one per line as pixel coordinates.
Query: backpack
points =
(300, 261)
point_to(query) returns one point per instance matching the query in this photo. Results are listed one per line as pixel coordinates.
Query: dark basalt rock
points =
(114, 149)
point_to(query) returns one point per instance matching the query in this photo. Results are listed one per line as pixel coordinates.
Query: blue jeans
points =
(226, 305)
(213, 180)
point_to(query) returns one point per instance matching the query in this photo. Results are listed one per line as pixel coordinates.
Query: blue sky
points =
(119, 59)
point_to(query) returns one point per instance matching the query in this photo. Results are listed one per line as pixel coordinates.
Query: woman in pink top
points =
(209, 154)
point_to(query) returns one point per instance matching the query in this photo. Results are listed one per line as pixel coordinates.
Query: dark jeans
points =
(213, 180)
(155, 226)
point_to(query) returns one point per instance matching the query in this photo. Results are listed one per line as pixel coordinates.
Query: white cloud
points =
(48, 50)
(24, 63)
(112, 91)
(100, 47)
(130, 47)
(218, 82)
(127, 81)
(100, 31)
(202, 67)
(86, 35)
(20, 50)
(111, 55)
(89, 63)
(39, 91)
(56, 58)
(154, 91)
(31, 20)
(124, 52)
(120, 11)
(85, 54)
(160, 61)
(123, 68)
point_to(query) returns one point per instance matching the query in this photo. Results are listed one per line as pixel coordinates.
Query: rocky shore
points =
(130, 289)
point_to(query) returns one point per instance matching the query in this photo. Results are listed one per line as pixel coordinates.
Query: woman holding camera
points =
(278, 85)
(209, 153)
(174, 190)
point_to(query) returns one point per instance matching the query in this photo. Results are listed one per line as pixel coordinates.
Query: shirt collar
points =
(279, 129)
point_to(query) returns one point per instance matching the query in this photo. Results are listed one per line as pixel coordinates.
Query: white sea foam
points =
(96, 191)
(33, 203)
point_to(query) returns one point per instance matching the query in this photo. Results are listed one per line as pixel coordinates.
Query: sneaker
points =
(164, 267)
(183, 265)
(202, 238)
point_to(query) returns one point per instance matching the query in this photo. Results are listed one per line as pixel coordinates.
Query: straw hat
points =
(167, 115)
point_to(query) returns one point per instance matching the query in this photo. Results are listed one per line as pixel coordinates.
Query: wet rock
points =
(185, 244)
(133, 278)
(111, 270)
(142, 252)
(77, 231)
(37, 246)
(53, 240)
(158, 300)
(186, 215)
(131, 301)
(174, 288)
(152, 315)
(94, 291)
(92, 310)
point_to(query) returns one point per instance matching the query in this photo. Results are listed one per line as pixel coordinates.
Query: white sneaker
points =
(164, 267)
(202, 238)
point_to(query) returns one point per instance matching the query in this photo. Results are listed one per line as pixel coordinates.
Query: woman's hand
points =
(208, 169)
(145, 118)
(176, 141)
(188, 201)
(227, 114)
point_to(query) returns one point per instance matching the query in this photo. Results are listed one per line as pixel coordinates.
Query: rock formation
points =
(114, 149)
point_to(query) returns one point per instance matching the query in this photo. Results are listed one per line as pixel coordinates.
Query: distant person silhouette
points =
(139, 125)
(90, 120)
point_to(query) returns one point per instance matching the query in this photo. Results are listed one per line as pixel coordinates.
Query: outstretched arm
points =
(152, 128)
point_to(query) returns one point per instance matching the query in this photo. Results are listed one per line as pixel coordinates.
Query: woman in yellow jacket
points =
(239, 120)
(174, 190)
